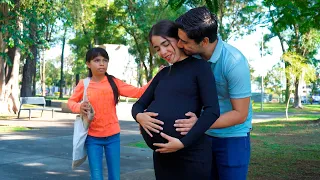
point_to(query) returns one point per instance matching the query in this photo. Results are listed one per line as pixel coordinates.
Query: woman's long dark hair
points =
(95, 52)
(164, 28)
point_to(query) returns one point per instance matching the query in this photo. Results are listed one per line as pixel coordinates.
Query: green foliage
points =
(272, 80)
(293, 22)
(38, 19)
(52, 73)
(298, 67)
(129, 23)
(236, 18)
(83, 15)
(175, 4)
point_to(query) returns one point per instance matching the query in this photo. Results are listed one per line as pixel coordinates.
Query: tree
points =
(66, 21)
(39, 18)
(298, 69)
(293, 22)
(52, 72)
(316, 84)
(82, 15)
(10, 29)
(273, 80)
(126, 22)
(236, 18)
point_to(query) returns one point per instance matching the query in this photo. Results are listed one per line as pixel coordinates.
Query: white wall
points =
(121, 63)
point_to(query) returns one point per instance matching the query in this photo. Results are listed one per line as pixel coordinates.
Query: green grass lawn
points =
(277, 107)
(12, 129)
(286, 149)
(283, 149)
(139, 144)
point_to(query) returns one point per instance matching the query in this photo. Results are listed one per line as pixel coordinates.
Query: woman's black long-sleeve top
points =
(187, 85)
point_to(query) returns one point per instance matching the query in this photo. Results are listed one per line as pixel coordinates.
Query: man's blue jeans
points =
(111, 147)
(230, 158)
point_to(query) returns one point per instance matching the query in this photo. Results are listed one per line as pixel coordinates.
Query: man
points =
(230, 133)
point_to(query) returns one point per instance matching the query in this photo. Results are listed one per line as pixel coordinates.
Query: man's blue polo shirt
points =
(232, 75)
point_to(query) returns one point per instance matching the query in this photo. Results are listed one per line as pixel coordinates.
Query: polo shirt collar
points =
(217, 51)
(216, 54)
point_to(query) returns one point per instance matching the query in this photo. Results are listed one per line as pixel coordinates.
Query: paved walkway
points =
(45, 152)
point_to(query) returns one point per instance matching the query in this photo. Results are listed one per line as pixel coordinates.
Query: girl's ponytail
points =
(114, 88)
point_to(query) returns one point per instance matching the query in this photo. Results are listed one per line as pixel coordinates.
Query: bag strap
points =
(86, 82)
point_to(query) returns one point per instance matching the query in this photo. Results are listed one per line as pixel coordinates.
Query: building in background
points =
(121, 63)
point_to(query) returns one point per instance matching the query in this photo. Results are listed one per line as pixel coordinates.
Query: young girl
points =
(186, 86)
(103, 94)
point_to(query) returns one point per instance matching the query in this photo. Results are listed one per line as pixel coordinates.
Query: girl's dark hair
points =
(95, 52)
(164, 28)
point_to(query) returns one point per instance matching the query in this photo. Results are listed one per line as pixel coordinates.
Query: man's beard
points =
(188, 52)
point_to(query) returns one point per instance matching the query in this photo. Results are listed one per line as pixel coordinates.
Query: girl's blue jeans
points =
(111, 147)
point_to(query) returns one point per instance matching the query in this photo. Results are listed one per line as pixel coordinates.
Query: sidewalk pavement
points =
(45, 152)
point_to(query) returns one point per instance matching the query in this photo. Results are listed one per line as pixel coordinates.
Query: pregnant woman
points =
(185, 86)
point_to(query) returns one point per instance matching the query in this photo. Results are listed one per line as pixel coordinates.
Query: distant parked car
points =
(304, 99)
(316, 99)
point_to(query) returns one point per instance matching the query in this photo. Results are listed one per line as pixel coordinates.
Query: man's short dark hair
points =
(199, 23)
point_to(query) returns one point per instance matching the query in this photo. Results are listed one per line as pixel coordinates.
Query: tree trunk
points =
(281, 39)
(9, 73)
(287, 93)
(287, 108)
(3, 36)
(29, 68)
(151, 66)
(12, 85)
(61, 69)
(297, 101)
(34, 70)
(28, 74)
(140, 67)
(2, 78)
(43, 74)
(26, 78)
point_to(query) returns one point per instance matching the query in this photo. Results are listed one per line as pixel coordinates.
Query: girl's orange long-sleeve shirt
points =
(100, 95)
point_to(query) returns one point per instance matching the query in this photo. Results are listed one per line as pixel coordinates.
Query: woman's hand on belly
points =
(149, 123)
(173, 144)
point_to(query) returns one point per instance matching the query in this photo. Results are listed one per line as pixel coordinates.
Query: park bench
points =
(39, 101)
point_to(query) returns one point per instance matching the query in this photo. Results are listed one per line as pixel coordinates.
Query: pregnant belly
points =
(168, 129)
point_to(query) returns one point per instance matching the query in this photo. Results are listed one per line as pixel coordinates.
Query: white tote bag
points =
(80, 132)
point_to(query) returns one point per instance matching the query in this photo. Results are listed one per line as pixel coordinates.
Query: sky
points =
(250, 46)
